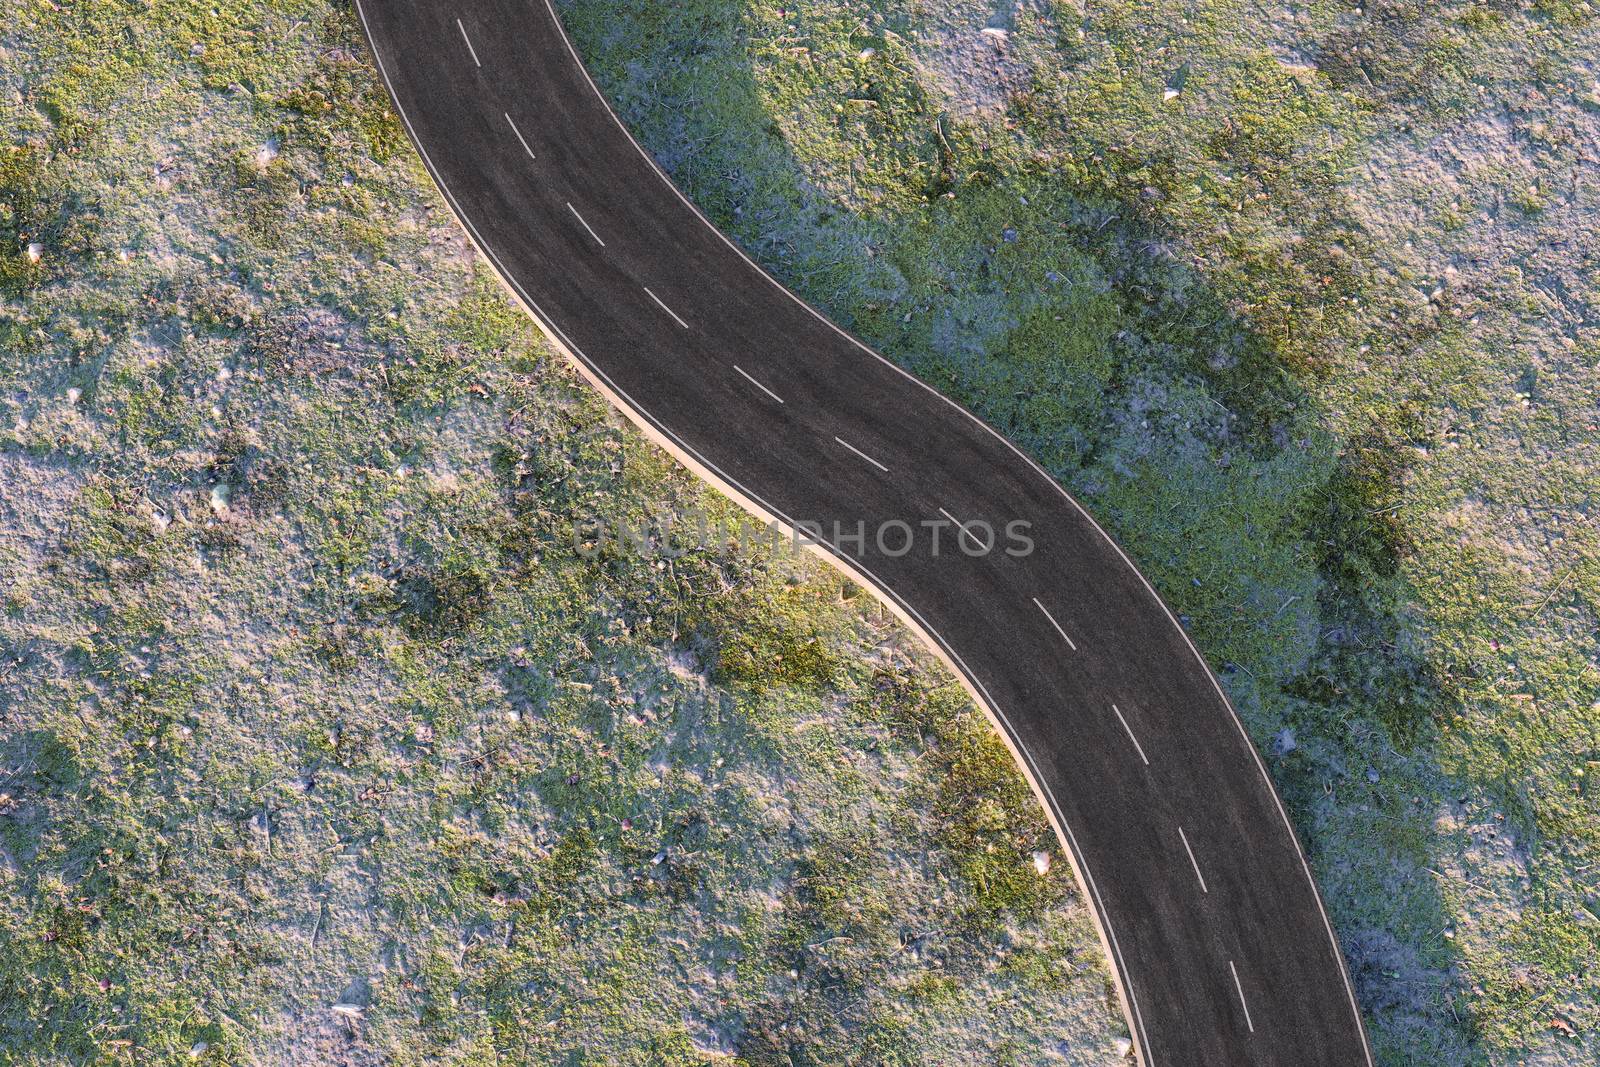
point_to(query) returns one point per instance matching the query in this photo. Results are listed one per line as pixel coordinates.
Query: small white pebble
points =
(868, 53)
(35, 252)
(74, 395)
(1041, 862)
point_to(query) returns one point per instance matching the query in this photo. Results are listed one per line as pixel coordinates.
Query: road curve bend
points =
(1216, 935)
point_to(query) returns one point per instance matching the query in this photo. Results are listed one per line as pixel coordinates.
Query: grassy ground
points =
(321, 741)
(1300, 298)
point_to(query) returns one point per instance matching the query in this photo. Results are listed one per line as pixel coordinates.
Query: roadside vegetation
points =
(320, 741)
(1300, 299)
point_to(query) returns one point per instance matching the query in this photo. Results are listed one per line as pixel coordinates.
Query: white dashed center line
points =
(1192, 861)
(664, 307)
(1242, 1002)
(1070, 643)
(1136, 746)
(976, 540)
(757, 384)
(862, 454)
(586, 226)
(470, 50)
(518, 132)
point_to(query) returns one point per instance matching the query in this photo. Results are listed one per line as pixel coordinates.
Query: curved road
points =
(1218, 940)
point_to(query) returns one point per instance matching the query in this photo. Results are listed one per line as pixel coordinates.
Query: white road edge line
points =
(1070, 642)
(1121, 975)
(757, 384)
(963, 527)
(1137, 747)
(862, 454)
(662, 306)
(586, 226)
(471, 50)
(1242, 1002)
(518, 132)
(1192, 861)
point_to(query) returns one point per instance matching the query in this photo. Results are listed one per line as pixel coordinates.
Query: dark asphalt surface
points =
(1214, 927)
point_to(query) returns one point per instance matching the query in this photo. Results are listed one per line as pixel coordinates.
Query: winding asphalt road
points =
(1215, 932)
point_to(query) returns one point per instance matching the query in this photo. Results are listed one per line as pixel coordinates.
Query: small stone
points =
(1284, 743)
(35, 252)
(74, 395)
(1124, 1047)
(1008, 235)
(1041, 862)
(868, 53)
(1175, 84)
